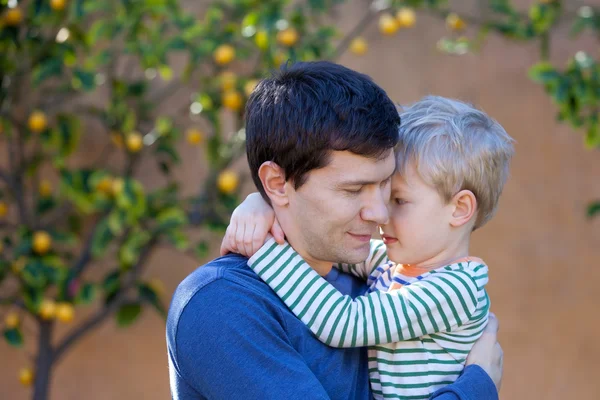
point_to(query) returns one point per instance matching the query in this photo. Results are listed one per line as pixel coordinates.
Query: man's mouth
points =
(361, 237)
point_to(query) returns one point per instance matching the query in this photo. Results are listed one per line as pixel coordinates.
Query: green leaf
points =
(65, 238)
(201, 249)
(148, 294)
(171, 218)
(116, 221)
(112, 283)
(14, 337)
(130, 250)
(592, 137)
(177, 43)
(102, 238)
(593, 209)
(100, 29)
(32, 298)
(127, 314)
(85, 80)
(178, 239)
(543, 72)
(86, 294)
(45, 204)
(43, 71)
(137, 89)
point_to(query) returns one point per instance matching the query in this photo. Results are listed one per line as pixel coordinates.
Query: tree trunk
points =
(44, 362)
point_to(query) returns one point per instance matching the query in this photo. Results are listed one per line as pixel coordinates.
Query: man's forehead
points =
(345, 166)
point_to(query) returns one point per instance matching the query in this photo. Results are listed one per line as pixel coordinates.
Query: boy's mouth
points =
(388, 239)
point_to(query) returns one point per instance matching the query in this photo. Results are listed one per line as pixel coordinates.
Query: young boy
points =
(426, 304)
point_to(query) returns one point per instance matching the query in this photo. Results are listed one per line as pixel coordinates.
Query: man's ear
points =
(273, 180)
(464, 208)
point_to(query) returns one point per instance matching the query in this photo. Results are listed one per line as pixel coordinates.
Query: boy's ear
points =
(273, 180)
(464, 208)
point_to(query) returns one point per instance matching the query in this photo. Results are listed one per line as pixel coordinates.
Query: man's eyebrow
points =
(363, 182)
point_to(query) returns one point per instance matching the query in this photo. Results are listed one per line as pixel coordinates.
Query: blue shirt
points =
(230, 337)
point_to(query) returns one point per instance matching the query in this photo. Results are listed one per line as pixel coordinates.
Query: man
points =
(320, 141)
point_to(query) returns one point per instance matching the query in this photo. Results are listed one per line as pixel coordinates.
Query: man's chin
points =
(355, 255)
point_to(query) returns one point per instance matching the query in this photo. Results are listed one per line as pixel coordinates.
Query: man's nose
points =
(376, 209)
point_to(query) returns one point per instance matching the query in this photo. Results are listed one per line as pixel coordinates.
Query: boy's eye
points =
(400, 201)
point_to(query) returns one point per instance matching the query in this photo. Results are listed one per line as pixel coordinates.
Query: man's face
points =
(338, 208)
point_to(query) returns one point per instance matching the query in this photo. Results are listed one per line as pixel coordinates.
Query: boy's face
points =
(333, 215)
(418, 231)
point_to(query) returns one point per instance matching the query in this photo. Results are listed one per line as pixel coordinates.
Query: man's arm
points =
(473, 384)
(230, 345)
(482, 377)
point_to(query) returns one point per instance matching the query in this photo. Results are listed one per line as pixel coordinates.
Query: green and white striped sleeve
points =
(440, 303)
(377, 256)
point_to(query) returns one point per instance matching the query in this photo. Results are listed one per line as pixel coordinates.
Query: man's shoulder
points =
(224, 283)
(226, 271)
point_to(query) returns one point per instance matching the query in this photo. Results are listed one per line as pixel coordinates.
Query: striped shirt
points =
(420, 326)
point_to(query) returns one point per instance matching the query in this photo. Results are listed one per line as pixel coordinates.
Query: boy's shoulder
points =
(473, 269)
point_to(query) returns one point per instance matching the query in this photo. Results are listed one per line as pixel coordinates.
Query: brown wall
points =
(541, 249)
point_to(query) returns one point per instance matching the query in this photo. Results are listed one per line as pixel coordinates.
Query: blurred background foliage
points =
(71, 68)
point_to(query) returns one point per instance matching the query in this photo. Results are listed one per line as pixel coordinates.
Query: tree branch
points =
(357, 30)
(120, 299)
(86, 253)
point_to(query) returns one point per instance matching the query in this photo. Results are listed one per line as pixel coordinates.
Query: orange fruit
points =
(359, 46)
(388, 25)
(194, 136)
(117, 186)
(232, 100)
(224, 54)
(406, 17)
(227, 182)
(45, 188)
(455, 23)
(58, 5)
(11, 320)
(42, 242)
(104, 185)
(47, 309)
(26, 376)
(134, 142)
(65, 312)
(261, 39)
(228, 80)
(250, 86)
(288, 37)
(13, 16)
(37, 121)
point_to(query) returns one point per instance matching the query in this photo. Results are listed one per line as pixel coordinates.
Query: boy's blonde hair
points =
(455, 147)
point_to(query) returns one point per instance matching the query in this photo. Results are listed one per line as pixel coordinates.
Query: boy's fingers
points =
(239, 238)
(248, 232)
(277, 232)
(258, 237)
(227, 243)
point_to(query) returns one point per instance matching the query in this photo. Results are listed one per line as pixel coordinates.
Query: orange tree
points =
(103, 71)
(74, 72)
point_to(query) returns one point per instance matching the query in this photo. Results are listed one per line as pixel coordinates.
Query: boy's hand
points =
(487, 352)
(249, 226)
